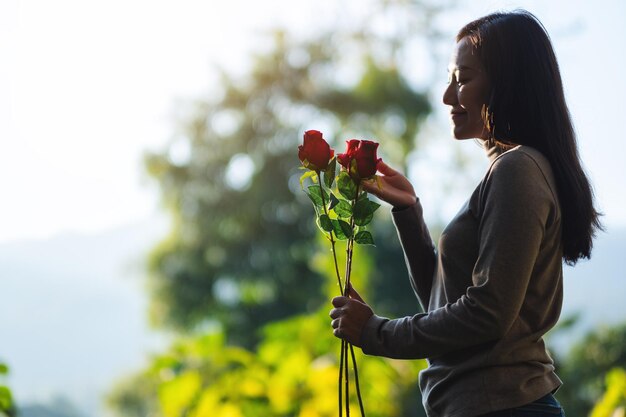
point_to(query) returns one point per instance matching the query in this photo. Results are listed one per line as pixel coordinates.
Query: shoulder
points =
(522, 172)
(521, 159)
(522, 165)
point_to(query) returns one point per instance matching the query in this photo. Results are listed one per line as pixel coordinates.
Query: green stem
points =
(350, 251)
(344, 360)
(347, 399)
(344, 348)
(350, 245)
(330, 234)
(356, 381)
(341, 377)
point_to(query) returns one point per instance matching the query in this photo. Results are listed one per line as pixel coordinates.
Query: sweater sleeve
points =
(418, 249)
(514, 203)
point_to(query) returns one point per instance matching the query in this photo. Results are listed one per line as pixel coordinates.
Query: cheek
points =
(467, 97)
(472, 101)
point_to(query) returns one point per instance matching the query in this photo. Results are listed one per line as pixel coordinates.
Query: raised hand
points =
(394, 188)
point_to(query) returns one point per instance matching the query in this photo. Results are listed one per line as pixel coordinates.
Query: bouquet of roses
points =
(343, 212)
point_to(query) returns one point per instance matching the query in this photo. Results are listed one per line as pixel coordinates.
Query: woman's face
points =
(467, 92)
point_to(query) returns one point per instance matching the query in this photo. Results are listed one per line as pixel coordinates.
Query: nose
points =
(449, 94)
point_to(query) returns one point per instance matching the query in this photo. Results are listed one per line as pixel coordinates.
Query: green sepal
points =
(346, 185)
(343, 209)
(364, 211)
(354, 170)
(342, 229)
(315, 195)
(329, 173)
(364, 238)
(307, 175)
(324, 223)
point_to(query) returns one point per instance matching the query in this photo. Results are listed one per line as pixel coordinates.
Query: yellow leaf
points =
(209, 402)
(614, 399)
(227, 410)
(176, 395)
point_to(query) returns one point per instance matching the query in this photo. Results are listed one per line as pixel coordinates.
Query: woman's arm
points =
(417, 245)
(418, 248)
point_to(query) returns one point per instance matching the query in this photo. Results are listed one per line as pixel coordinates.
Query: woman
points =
(493, 287)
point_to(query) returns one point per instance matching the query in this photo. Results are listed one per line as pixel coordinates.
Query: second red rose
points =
(363, 152)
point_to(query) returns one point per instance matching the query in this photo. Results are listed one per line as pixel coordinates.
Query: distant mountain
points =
(73, 314)
(595, 288)
(594, 284)
(57, 407)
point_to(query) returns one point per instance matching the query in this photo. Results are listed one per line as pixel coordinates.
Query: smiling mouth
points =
(455, 116)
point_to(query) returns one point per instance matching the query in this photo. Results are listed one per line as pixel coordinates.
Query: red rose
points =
(315, 153)
(364, 153)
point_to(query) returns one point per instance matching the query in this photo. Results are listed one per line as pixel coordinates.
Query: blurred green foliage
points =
(613, 402)
(584, 368)
(242, 238)
(7, 405)
(244, 277)
(292, 373)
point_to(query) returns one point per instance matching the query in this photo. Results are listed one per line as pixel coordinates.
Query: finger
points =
(385, 169)
(356, 295)
(339, 301)
(335, 313)
(335, 324)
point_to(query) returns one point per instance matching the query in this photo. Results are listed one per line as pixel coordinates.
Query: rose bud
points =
(345, 158)
(315, 153)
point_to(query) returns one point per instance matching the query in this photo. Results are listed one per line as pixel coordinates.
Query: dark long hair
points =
(527, 107)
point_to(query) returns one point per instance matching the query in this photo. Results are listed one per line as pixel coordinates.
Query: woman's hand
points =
(395, 188)
(349, 317)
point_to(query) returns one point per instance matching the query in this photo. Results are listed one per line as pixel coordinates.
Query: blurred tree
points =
(239, 251)
(584, 368)
(7, 406)
(293, 373)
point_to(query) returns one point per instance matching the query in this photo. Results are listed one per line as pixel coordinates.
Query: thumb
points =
(355, 295)
(385, 169)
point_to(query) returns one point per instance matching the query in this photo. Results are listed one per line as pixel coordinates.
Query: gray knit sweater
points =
(491, 290)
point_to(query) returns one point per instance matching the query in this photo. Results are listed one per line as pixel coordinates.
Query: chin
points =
(460, 135)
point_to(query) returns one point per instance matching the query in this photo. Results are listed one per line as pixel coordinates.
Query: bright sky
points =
(87, 86)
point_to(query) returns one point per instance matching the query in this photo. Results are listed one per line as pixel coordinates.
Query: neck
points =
(491, 149)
